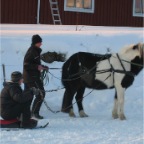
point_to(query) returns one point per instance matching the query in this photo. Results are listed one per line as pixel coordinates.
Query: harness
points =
(83, 70)
(112, 69)
(120, 71)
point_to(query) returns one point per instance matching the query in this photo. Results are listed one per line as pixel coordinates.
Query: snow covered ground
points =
(99, 127)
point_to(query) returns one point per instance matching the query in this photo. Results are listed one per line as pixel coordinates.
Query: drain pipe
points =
(38, 12)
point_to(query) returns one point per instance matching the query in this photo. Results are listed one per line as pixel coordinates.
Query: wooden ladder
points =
(55, 12)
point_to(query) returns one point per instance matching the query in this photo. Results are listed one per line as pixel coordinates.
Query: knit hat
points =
(36, 39)
(16, 76)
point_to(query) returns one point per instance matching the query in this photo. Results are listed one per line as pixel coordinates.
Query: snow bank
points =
(99, 127)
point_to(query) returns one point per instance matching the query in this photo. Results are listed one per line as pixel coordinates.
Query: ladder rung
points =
(57, 20)
(54, 3)
(57, 23)
(54, 8)
(55, 14)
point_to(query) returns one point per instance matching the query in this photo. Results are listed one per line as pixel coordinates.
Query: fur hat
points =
(36, 39)
(16, 76)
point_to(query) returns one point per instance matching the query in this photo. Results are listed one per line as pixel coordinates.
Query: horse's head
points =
(133, 51)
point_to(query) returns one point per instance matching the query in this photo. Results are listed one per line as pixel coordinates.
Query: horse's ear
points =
(135, 47)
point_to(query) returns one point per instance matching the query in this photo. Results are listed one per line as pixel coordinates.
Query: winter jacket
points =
(11, 95)
(30, 65)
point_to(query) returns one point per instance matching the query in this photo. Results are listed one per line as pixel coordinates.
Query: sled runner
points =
(13, 123)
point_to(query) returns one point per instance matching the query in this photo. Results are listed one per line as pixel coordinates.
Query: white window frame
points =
(134, 13)
(79, 9)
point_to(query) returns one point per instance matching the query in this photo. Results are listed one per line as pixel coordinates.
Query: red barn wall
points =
(107, 13)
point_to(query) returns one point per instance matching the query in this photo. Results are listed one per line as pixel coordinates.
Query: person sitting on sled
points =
(15, 103)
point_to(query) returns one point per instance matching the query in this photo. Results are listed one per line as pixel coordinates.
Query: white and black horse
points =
(86, 70)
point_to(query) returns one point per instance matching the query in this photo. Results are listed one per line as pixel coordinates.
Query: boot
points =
(29, 124)
(36, 115)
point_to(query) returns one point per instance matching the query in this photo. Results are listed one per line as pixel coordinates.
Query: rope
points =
(44, 75)
(21, 65)
(55, 68)
(54, 90)
(133, 63)
(130, 62)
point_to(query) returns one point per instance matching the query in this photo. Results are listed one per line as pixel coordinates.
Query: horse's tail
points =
(69, 80)
(69, 69)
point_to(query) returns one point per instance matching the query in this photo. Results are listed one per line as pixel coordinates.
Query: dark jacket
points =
(30, 65)
(11, 95)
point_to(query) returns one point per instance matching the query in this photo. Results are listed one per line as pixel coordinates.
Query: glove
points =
(42, 67)
(35, 91)
(61, 57)
(45, 67)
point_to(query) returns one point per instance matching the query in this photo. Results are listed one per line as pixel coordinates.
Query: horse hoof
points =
(64, 111)
(71, 113)
(115, 115)
(122, 117)
(83, 114)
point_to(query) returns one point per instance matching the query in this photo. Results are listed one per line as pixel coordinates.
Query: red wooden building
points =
(128, 13)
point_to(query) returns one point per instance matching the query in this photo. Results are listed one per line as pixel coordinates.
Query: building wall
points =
(18, 11)
(107, 13)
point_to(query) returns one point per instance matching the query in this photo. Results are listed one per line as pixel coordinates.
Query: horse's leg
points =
(67, 102)
(79, 99)
(115, 108)
(120, 93)
(71, 95)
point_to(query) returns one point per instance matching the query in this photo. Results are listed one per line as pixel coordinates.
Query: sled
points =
(13, 123)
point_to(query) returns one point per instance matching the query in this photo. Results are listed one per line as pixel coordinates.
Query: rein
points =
(130, 62)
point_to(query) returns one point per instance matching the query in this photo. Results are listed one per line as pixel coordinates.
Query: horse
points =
(101, 71)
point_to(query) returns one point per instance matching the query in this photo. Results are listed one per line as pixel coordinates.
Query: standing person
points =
(32, 73)
(32, 70)
(15, 102)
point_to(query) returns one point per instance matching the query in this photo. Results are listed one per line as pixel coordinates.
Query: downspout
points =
(38, 12)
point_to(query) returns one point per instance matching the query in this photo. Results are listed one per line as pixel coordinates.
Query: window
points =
(79, 6)
(138, 8)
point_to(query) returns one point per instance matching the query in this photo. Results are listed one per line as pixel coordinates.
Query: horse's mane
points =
(127, 47)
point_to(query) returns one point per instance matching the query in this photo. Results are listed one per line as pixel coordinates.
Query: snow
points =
(99, 127)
